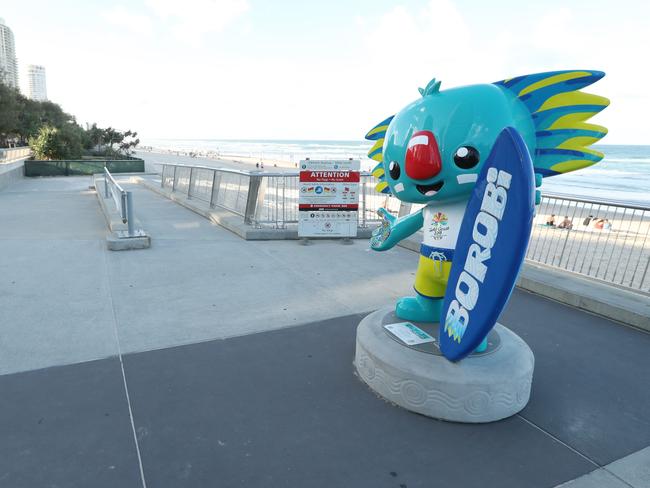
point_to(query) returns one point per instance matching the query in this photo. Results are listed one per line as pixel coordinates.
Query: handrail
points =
(110, 176)
(261, 197)
(597, 201)
(225, 170)
(292, 172)
(245, 172)
(125, 202)
(599, 238)
(617, 253)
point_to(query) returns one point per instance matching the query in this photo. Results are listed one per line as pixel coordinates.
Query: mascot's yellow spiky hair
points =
(377, 134)
(559, 112)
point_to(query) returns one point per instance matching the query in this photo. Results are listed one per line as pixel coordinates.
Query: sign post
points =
(329, 198)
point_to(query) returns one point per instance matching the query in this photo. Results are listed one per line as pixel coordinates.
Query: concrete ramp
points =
(53, 288)
(66, 299)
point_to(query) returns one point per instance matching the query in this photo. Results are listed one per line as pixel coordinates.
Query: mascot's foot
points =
(482, 347)
(419, 309)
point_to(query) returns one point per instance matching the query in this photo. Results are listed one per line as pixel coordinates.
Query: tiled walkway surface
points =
(210, 361)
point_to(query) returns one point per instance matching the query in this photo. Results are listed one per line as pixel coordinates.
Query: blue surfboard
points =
(491, 246)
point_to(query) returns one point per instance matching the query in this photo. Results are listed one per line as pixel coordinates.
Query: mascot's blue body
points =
(432, 153)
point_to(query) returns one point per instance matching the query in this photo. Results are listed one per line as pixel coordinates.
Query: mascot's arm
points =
(393, 230)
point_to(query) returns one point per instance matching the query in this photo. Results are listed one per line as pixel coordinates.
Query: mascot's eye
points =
(466, 157)
(393, 169)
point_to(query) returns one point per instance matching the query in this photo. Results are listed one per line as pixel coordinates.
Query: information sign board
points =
(328, 201)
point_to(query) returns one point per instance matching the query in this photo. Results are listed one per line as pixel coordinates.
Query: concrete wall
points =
(11, 172)
(10, 154)
(12, 165)
(65, 167)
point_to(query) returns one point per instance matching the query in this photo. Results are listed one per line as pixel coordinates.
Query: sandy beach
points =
(619, 255)
(212, 159)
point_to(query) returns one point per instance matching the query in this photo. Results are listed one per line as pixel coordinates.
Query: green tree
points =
(23, 120)
(9, 111)
(128, 143)
(57, 143)
(29, 118)
(52, 114)
(94, 137)
(114, 142)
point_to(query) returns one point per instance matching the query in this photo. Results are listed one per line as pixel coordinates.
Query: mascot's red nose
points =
(423, 156)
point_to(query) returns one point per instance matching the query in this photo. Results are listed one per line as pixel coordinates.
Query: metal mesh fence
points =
(609, 241)
(276, 203)
(603, 240)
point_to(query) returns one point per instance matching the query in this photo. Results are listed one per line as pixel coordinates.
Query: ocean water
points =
(284, 150)
(623, 175)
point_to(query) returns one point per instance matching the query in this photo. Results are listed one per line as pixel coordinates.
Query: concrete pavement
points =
(209, 360)
(197, 282)
(630, 471)
(53, 284)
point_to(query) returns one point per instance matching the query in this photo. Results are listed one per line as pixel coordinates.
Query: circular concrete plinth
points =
(481, 388)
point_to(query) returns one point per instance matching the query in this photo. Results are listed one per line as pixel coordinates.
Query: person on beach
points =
(566, 223)
(607, 225)
(551, 221)
(599, 224)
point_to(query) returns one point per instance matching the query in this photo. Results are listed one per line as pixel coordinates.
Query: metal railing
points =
(601, 239)
(123, 200)
(614, 247)
(263, 199)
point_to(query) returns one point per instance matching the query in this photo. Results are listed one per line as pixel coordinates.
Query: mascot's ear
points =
(560, 113)
(379, 173)
(377, 134)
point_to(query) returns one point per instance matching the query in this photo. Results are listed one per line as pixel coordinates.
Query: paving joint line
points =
(584, 456)
(119, 353)
(617, 477)
(556, 439)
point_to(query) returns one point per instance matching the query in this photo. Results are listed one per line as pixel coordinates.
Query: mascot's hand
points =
(380, 240)
(538, 193)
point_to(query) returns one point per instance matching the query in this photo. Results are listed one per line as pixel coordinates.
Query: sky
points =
(281, 69)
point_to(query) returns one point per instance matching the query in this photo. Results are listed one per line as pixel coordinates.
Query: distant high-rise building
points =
(36, 89)
(8, 61)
